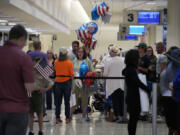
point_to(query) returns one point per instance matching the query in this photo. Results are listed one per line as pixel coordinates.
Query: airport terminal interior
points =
(105, 31)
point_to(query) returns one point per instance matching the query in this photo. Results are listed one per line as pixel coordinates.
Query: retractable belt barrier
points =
(154, 93)
(75, 77)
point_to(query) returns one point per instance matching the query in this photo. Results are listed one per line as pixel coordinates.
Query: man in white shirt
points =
(107, 57)
(160, 66)
(162, 59)
(73, 52)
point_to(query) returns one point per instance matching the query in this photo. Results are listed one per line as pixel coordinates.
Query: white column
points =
(173, 29)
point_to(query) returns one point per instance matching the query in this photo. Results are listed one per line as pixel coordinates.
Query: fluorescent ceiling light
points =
(30, 30)
(3, 21)
(151, 3)
(11, 24)
(37, 33)
(4, 29)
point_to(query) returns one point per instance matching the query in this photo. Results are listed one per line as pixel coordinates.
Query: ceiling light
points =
(151, 3)
(3, 21)
(4, 29)
(11, 24)
(31, 30)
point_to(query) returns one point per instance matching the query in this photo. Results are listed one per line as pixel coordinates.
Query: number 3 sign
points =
(130, 17)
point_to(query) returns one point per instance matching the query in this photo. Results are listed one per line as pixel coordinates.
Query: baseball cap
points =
(142, 45)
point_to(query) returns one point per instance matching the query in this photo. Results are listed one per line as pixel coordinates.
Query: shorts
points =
(83, 95)
(169, 106)
(36, 103)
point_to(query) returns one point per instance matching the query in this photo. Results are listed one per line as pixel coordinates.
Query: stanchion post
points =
(154, 109)
(125, 105)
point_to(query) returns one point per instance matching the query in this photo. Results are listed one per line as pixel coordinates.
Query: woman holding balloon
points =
(82, 65)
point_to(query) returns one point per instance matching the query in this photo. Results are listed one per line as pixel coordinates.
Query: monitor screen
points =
(136, 29)
(131, 37)
(148, 17)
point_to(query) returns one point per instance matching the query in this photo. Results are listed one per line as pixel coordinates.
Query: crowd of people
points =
(26, 93)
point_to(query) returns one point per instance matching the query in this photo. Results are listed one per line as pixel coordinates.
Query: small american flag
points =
(44, 69)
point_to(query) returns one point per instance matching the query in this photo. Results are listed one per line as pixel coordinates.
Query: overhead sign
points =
(142, 17)
(130, 17)
(148, 17)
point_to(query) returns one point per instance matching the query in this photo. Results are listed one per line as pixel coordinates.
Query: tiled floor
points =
(97, 126)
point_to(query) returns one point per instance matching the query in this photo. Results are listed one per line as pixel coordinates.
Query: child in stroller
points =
(98, 100)
(100, 103)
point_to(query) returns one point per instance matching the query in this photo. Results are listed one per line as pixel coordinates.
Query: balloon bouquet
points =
(85, 34)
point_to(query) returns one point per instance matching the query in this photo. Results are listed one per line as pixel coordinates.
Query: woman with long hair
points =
(80, 92)
(133, 84)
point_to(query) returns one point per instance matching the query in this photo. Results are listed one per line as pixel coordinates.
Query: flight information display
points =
(136, 29)
(148, 17)
(131, 37)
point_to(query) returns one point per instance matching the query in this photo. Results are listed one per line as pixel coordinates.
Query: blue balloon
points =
(103, 4)
(83, 70)
(83, 27)
(94, 13)
(92, 27)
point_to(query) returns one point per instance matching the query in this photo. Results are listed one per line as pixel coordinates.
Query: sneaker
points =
(68, 120)
(40, 133)
(45, 114)
(58, 120)
(31, 133)
(49, 108)
(83, 119)
(75, 112)
(45, 119)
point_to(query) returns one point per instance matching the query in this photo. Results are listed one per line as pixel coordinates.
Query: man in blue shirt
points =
(37, 51)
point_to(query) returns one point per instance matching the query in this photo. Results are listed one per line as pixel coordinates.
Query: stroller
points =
(98, 102)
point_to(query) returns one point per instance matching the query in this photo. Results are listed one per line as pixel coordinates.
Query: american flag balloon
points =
(83, 34)
(92, 27)
(93, 43)
(102, 10)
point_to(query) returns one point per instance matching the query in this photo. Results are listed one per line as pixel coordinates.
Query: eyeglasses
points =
(149, 50)
(80, 52)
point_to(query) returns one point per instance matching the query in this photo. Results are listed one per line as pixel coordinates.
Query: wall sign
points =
(130, 17)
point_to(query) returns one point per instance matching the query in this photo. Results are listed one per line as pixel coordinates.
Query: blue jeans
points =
(63, 89)
(149, 85)
(49, 98)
